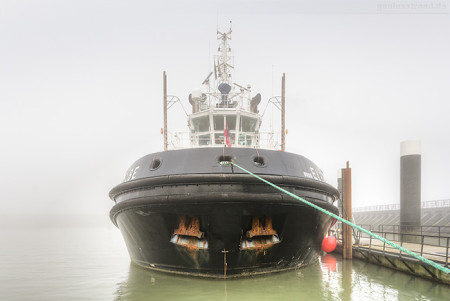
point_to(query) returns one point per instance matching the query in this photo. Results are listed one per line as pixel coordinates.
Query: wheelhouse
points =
(209, 127)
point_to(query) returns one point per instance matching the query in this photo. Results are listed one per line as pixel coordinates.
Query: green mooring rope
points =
(417, 256)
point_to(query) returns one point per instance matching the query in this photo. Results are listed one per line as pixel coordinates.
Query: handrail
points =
(366, 242)
(392, 207)
(441, 254)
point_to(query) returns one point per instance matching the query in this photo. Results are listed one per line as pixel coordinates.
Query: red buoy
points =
(329, 244)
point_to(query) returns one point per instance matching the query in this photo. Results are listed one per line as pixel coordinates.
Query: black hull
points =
(148, 211)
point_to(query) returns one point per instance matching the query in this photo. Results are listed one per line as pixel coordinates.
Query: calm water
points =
(92, 264)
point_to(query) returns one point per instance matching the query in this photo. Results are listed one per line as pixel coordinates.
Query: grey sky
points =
(81, 88)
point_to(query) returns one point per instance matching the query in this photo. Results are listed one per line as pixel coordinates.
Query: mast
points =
(223, 63)
(283, 110)
(224, 100)
(165, 109)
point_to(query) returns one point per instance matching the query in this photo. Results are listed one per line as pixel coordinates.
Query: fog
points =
(81, 89)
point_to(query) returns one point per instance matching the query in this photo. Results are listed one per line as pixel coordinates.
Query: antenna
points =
(206, 81)
(215, 70)
(242, 88)
(223, 59)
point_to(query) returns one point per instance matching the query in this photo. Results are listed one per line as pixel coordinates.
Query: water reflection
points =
(144, 285)
(387, 284)
(330, 279)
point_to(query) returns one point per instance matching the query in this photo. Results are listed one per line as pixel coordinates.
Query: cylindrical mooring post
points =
(347, 211)
(410, 190)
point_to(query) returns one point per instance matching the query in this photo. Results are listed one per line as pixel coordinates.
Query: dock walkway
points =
(370, 249)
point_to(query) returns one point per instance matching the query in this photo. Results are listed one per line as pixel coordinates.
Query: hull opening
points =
(188, 234)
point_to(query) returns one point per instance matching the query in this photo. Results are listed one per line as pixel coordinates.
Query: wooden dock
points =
(375, 251)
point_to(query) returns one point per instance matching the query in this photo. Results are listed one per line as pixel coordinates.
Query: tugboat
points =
(182, 211)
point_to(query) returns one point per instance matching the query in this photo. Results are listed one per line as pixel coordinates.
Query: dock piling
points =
(347, 201)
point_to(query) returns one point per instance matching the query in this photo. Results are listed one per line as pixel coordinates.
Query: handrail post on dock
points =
(446, 253)
(439, 234)
(421, 247)
(347, 200)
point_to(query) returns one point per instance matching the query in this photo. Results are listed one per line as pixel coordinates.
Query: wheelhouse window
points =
(219, 122)
(218, 138)
(204, 139)
(245, 139)
(248, 124)
(201, 124)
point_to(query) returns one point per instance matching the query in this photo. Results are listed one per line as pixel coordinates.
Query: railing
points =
(436, 204)
(441, 232)
(389, 207)
(377, 208)
(179, 140)
(434, 247)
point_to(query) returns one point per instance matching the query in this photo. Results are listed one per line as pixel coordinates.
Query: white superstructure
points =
(224, 112)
